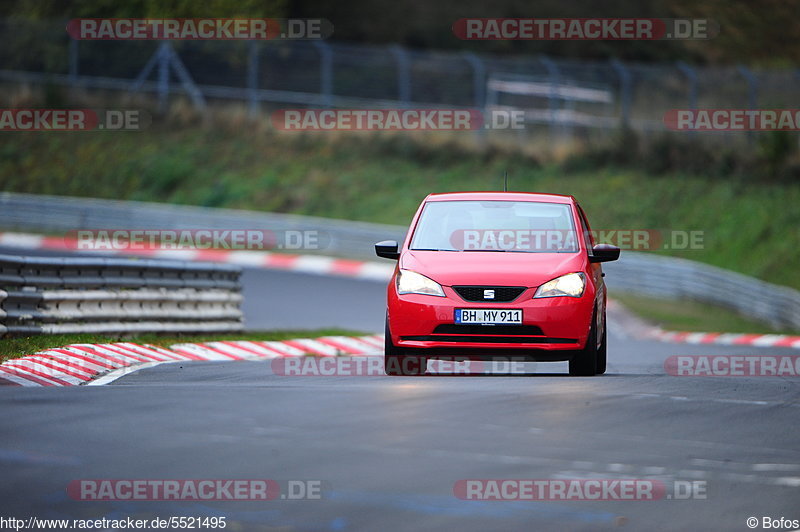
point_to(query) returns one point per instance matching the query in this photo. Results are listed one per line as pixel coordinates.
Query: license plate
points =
(489, 316)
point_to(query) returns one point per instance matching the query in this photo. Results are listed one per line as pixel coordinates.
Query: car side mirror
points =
(604, 253)
(388, 249)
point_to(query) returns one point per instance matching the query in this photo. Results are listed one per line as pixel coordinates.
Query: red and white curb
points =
(705, 338)
(97, 364)
(315, 264)
(637, 328)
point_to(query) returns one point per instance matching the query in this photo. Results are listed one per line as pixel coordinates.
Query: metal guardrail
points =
(673, 278)
(57, 214)
(644, 273)
(47, 295)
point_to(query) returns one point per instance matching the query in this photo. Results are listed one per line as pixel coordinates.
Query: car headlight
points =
(570, 285)
(409, 282)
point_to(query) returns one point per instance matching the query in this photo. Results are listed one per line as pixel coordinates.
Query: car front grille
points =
(494, 330)
(503, 334)
(501, 293)
(465, 339)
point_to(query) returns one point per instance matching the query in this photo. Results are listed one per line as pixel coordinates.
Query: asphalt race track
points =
(389, 450)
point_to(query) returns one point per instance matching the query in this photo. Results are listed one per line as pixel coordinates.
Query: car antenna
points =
(505, 181)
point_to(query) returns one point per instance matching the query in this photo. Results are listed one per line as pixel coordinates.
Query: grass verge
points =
(683, 315)
(28, 345)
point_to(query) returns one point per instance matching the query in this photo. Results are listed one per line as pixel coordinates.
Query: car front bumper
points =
(556, 325)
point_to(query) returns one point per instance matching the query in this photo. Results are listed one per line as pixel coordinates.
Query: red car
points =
(486, 275)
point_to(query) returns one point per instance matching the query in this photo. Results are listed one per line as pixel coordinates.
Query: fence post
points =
(478, 79)
(403, 74)
(148, 68)
(73, 61)
(252, 79)
(625, 77)
(325, 71)
(163, 76)
(691, 77)
(478, 90)
(752, 92)
(554, 74)
(186, 80)
(797, 75)
(164, 57)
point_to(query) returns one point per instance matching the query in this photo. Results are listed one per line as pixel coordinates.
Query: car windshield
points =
(513, 226)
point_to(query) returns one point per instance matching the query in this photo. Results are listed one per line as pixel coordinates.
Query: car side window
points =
(588, 238)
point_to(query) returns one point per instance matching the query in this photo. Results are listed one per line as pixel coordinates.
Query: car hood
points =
(450, 268)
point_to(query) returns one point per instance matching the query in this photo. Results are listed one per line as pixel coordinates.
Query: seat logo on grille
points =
(488, 294)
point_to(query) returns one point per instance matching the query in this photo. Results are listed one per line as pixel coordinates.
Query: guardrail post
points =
(625, 90)
(752, 92)
(478, 90)
(325, 72)
(252, 79)
(691, 77)
(403, 74)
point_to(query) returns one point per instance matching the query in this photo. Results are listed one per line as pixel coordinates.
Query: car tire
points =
(602, 351)
(584, 362)
(395, 360)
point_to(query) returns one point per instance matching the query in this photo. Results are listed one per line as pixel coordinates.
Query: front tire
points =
(602, 351)
(584, 362)
(396, 362)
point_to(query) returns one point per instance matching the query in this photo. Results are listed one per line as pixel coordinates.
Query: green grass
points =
(682, 315)
(18, 347)
(750, 225)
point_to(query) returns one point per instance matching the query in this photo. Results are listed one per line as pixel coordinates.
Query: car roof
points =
(501, 196)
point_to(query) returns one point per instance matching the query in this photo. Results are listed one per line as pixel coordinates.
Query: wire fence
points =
(563, 98)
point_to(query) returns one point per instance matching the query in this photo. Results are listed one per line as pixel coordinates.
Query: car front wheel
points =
(397, 363)
(584, 362)
(602, 351)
